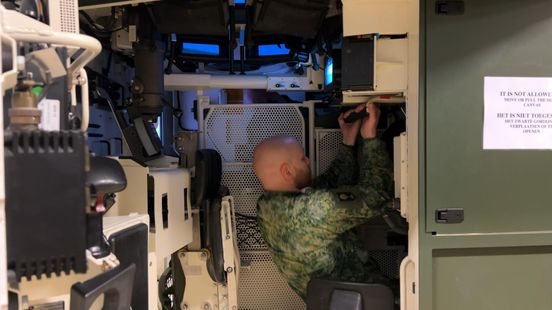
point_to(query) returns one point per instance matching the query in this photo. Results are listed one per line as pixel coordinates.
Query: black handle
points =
(116, 284)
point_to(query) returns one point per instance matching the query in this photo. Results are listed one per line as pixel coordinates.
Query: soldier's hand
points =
(350, 130)
(370, 122)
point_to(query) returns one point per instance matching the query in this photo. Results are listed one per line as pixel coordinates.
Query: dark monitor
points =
(357, 63)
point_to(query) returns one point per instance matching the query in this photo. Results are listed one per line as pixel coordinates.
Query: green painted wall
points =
(504, 245)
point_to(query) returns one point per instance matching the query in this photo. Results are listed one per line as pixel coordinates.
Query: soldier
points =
(307, 223)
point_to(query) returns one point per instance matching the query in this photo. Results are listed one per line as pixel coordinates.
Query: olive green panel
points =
(500, 191)
(487, 279)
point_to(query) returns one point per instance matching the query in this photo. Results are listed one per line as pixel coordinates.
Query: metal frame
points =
(3, 257)
(168, 181)
(201, 292)
(230, 250)
(310, 81)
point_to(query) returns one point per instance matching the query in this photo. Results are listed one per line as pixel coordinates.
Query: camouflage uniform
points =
(309, 233)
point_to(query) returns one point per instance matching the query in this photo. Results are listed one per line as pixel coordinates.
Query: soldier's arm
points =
(351, 206)
(376, 172)
(341, 171)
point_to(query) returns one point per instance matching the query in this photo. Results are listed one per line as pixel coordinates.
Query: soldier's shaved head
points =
(281, 165)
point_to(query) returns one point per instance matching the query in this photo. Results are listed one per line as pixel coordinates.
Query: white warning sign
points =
(518, 113)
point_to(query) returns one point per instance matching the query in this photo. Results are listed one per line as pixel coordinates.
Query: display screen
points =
(158, 126)
(240, 1)
(272, 50)
(328, 72)
(200, 49)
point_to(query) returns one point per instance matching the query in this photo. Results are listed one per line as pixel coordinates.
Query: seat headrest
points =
(208, 173)
(105, 176)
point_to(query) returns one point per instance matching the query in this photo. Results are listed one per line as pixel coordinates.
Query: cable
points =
(94, 25)
(245, 216)
(180, 109)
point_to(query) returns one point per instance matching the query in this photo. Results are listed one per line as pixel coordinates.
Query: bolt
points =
(81, 80)
(227, 237)
(229, 269)
(206, 306)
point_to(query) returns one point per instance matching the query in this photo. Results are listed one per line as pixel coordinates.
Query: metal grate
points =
(234, 131)
(389, 260)
(249, 235)
(69, 16)
(244, 186)
(262, 287)
(327, 143)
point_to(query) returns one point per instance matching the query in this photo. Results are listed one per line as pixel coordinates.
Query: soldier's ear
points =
(286, 171)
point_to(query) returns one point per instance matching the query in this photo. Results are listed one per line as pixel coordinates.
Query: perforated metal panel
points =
(234, 131)
(262, 286)
(69, 16)
(244, 186)
(64, 15)
(327, 142)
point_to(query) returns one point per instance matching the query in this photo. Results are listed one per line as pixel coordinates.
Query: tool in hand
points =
(355, 116)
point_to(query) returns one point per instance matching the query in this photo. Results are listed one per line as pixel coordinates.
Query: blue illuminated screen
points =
(328, 72)
(158, 126)
(273, 50)
(200, 49)
(240, 1)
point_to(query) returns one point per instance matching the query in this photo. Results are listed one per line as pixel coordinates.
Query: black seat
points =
(105, 178)
(338, 295)
(208, 195)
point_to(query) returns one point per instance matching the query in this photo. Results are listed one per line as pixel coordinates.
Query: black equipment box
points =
(357, 63)
(46, 202)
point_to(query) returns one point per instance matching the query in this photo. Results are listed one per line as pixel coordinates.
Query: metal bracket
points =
(449, 7)
(449, 216)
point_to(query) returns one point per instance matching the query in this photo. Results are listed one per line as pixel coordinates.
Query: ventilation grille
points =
(69, 16)
(47, 266)
(327, 143)
(234, 131)
(262, 287)
(249, 234)
(39, 142)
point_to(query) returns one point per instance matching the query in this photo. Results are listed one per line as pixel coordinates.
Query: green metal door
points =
(499, 191)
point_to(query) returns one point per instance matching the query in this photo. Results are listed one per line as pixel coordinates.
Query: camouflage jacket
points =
(308, 233)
